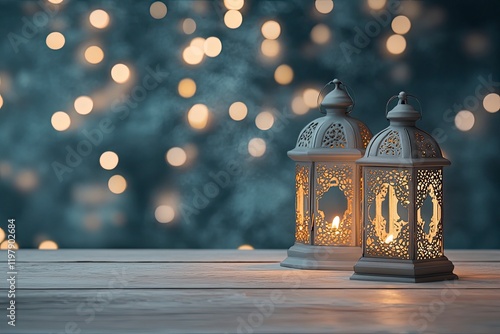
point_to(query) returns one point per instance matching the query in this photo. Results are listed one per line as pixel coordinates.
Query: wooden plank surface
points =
(222, 291)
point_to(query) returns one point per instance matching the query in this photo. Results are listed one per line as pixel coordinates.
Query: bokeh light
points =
(396, 44)
(233, 19)
(164, 214)
(117, 184)
(1, 101)
(320, 34)
(109, 160)
(55, 40)
(401, 24)
(271, 30)
(26, 180)
(2, 235)
(264, 120)
(99, 19)
(283, 74)
(234, 4)
(188, 26)
(55, 2)
(212, 46)
(324, 6)
(120, 73)
(192, 55)
(256, 147)
(238, 111)
(245, 247)
(310, 97)
(464, 120)
(270, 48)
(5, 245)
(299, 107)
(60, 121)
(187, 88)
(83, 105)
(491, 102)
(48, 245)
(198, 116)
(376, 4)
(94, 54)
(176, 156)
(158, 10)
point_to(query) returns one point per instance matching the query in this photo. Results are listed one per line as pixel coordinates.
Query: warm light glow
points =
(271, 30)
(120, 73)
(310, 97)
(389, 239)
(5, 245)
(234, 4)
(324, 6)
(99, 19)
(238, 111)
(245, 247)
(283, 74)
(270, 48)
(55, 2)
(198, 42)
(2, 235)
(176, 156)
(188, 26)
(401, 24)
(60, 121)
(198, 116)
(117, 184)
(264, 120)
(83, 105)
(187, 88)
(192, 55)
(233, 19)
(212, 46)
(158, 10)
(376, 4)
(464, 120)
(94, 54)
(109, 160)
(164, 214)
(55, 40)
(299, 107)
(491, 102)
(396, 44)
(1, 101)
(48, 245)
(26, 180)
(336, 222)
(320, 34)
(256, 147)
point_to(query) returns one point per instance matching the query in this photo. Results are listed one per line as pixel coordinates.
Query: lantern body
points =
(402, 174)
(327, 184)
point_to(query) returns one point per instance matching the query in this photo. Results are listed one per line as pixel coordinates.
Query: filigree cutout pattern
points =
(425, 146)
(391, 145)
(366, 135)
(302, 213)
(394, 184)
(334, 137)
(306, 137)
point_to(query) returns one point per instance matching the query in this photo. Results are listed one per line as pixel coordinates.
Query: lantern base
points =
(405, 271)
(302, 256)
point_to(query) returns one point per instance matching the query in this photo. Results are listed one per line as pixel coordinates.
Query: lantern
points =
(402, 174)
(327, 206)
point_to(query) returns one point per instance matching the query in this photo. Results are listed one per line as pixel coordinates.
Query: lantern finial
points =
(403, 111)
(337, 99)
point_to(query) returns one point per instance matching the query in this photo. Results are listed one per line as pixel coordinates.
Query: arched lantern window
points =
(327, 205)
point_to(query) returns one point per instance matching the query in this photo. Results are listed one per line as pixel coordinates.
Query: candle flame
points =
(389, 239)
(336, 222)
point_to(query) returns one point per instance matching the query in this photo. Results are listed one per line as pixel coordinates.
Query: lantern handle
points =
(350, 108)
(402, 95)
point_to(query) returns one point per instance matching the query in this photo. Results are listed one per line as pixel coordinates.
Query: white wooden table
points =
(226, 291)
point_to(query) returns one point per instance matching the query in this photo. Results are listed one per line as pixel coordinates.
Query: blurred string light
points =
(401, 24)
(464, 120)
(264, 120)
(271, 30)
(283, 74)
(164, 214)
(376, 4)
(2, 235)
(158, 10)
(396, 44)
(256, 147)
(99, 19)
(83, 105)
(188, 26)
(176, 156)
(270, 48)
(94, 54)
(26, 180)
(109, 160)
(245, 247)
(212, 46)
(60, 121)
(55, 2)
(187, 88)
(1, 101)
(320, 34)
(234, 4)
(5, 245)
(55, 40)
(324, 6)
(117, 184)
(238, 111)
(48, 245)
(120, 73)
(198, 116)
(193, 54)
(299, 107)
(233, 19)
(310, 97)
(491, 102)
